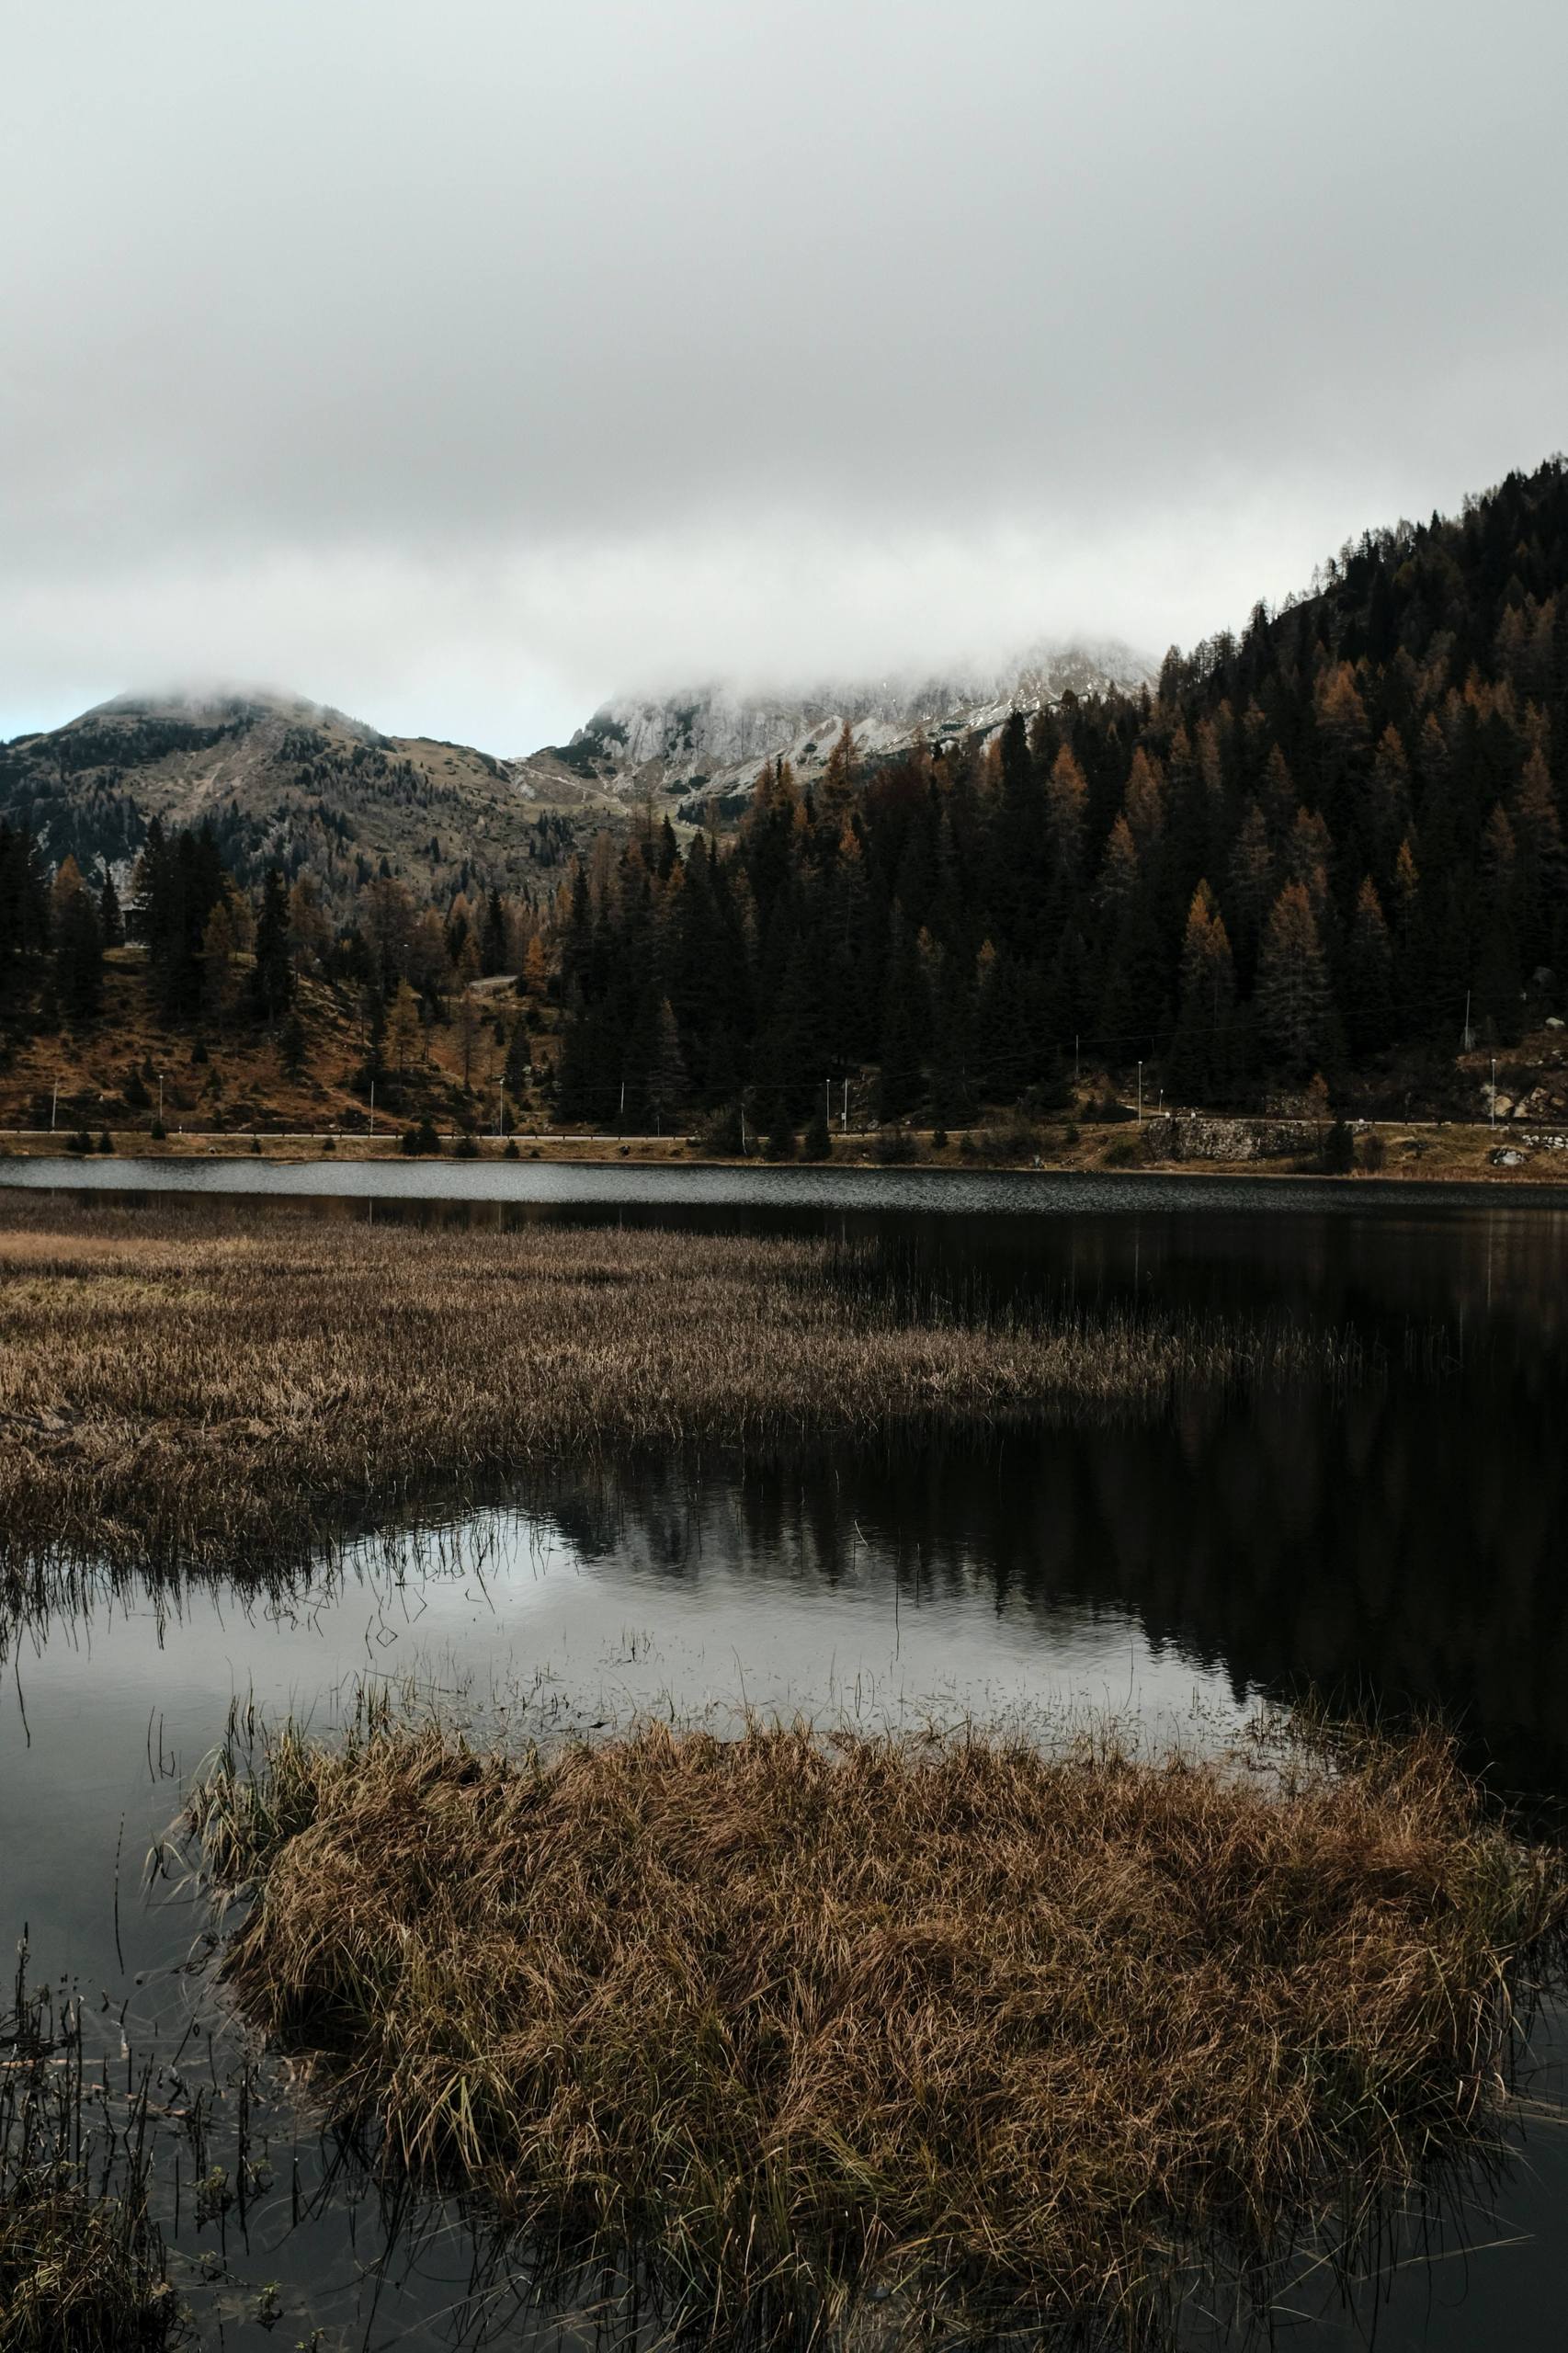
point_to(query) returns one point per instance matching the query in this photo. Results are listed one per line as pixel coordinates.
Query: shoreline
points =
(43, 1165)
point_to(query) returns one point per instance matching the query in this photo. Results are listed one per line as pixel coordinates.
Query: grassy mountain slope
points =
(289, 783)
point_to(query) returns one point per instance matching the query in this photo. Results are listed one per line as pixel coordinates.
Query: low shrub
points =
(894, 1148)
(719, 1137)
(1009, 1142)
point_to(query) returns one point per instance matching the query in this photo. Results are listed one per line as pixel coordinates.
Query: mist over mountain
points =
(285, 782)
(708, 743)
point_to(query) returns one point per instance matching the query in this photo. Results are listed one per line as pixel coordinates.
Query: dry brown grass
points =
(187, 1384)
(984, 2030)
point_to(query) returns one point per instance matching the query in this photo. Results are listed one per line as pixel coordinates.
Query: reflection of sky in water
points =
(508, 1620)
(511, 1612)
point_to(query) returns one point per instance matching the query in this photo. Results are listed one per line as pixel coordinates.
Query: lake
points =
(1401, 1544)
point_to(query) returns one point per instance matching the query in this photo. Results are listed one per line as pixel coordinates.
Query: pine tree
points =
(519, 1059)
(1366, 991)
(467, 1027)
(403, 1029)
(780, 1139)
(219, 979)
(78, 945)
(1294, 1006)
(111, 922)
(664, 1080)
(1198, 1067)
(905, 1024)
(272, 975)
(24, 897)
(1498, 992)
(1542, 864)
(294, 1047)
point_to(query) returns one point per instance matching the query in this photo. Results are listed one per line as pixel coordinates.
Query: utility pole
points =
(1468, 1035)
(372, 1128)
(500, 1108)
(743, 1127)
(844, 1114)
(53, 1105)
(1140, 1094)
(1494, 1119)
(160, 1098)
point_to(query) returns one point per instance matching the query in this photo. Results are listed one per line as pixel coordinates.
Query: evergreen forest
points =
(1328, 852)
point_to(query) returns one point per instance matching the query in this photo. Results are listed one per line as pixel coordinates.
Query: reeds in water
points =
(961, 2033)
(81, 2261)
(177, 1386)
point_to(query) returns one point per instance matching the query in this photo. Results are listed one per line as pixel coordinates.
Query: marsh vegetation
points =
(82, 2266)
(182, 1384)
(976, 2032)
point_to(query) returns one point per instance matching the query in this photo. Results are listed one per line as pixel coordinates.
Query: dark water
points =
(1401, 1541)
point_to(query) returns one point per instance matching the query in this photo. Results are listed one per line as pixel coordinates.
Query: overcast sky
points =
(463, 361)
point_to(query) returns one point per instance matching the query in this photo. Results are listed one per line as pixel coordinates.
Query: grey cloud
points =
(501, 355)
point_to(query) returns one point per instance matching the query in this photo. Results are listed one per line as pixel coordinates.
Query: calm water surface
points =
(1403, 1541)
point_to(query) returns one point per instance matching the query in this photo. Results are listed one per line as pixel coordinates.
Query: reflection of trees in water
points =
(1406, 1543)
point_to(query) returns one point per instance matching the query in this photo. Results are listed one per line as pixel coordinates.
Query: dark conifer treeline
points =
(1304, 851)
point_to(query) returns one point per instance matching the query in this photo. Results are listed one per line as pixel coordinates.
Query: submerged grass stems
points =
(81, 2261)
(957, 2032)
(186, 1386)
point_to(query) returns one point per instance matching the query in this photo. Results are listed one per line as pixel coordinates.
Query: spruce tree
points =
(1367, 998)
(78, 946)
(1294, 1007)
(817, 1143)
(272, 975)
(111, 922)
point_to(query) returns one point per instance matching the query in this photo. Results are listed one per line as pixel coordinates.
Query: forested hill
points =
(1307, 850)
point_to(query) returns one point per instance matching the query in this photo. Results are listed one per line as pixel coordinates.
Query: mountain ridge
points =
(708, 743)
(284, 779)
